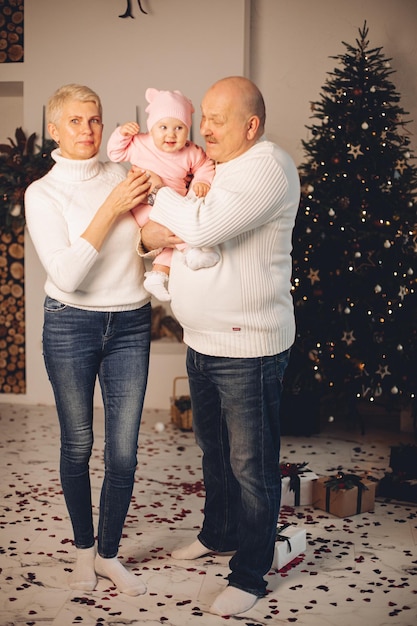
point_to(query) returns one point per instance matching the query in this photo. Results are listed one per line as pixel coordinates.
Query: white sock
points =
(155, 283)
(197, 258)
(190, 552)
(232, 601)
(125, 581)
(83, 576)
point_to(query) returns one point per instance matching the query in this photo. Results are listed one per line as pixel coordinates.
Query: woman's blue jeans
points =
(235, 406)
(78, 347)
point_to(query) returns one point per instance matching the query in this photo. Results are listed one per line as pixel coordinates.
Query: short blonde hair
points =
(66, 93)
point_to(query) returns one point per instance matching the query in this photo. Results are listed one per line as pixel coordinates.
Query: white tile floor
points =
(360, 570)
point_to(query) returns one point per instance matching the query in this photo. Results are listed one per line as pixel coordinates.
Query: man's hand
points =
(155, 236)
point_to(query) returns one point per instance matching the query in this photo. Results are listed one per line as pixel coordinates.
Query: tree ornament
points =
(348, 337)
(16, 210)
(378, 391)
(402, 292)
(313, 275)
(355, 151)
(400, 165)
(383, 371)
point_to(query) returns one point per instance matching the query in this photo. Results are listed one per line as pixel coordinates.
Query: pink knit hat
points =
(168, 104)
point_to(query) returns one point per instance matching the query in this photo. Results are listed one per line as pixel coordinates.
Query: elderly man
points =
(239, 326)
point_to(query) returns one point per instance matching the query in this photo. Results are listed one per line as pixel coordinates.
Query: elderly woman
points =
(96, 323)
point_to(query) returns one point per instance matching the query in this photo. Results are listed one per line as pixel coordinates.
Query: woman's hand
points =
(133, 190)
(155, 180)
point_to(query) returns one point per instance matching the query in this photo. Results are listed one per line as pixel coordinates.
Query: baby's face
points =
(169, 134)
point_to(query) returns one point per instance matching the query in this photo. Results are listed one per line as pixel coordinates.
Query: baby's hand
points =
(201, 189)
(129, 129)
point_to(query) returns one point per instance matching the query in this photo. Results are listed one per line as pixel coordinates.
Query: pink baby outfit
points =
(173, 168)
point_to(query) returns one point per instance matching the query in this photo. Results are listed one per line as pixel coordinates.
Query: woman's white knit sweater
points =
(241, 307)
(59, 207)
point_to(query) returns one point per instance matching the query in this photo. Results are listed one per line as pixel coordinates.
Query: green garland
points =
(21, 163)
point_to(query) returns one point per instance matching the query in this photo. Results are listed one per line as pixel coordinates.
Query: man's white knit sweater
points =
(59, 207)
(241, 307)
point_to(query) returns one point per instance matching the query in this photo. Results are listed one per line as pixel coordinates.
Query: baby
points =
(167, 151)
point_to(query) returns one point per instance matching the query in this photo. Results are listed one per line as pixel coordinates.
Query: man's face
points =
(223, 124)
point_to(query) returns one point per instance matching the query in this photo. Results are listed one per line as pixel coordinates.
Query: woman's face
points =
(79, 130)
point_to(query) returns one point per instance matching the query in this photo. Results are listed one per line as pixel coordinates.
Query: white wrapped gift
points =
(291, 541)
(298, 490)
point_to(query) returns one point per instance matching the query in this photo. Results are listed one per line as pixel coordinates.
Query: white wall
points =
(180, 44)
(287, 55)
(11, 109)
(291, 45)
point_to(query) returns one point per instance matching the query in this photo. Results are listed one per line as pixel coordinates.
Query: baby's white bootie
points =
(197, 258)
(155, 283)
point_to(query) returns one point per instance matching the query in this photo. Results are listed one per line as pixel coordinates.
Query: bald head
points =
(233, 117)
(246, 95)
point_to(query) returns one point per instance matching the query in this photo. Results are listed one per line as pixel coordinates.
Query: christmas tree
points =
(355, 239)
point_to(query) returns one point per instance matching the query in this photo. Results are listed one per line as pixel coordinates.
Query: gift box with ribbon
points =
(344, 495)
(296, 484)
(291, 541)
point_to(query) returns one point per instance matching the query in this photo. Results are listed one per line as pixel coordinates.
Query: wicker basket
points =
(181, 414)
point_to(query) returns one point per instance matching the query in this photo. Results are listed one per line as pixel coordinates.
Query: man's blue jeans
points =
(78, 347)
(235, 406)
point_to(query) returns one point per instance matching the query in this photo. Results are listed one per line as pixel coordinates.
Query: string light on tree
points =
(355, 238)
